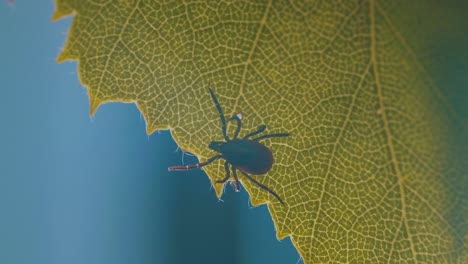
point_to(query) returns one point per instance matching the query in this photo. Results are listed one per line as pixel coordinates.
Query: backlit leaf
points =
(375, 169)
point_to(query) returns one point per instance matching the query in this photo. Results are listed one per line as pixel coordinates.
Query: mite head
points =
(216, 145)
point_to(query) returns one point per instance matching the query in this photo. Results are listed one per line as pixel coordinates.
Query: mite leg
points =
(263, 187)
(259, 130)
(238, 118)
(194, 166)
(233, 185)
(228, 173)
(237, 179)
(221, 115)
(272, 135)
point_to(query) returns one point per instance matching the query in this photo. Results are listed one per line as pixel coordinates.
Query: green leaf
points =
(375, 169)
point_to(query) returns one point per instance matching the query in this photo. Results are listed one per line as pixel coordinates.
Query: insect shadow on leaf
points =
(246, 154)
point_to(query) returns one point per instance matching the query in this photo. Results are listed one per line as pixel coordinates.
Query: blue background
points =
(76, 189)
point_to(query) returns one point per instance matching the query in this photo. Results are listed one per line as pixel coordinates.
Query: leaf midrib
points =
(388, 133)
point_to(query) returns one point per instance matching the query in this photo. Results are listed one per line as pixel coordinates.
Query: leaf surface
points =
(373, 170)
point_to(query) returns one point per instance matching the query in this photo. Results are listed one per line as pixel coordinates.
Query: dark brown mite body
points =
(247, 155)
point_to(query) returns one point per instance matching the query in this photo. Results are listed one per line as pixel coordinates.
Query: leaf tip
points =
(61, 57)
(94, 103)
(62, 9)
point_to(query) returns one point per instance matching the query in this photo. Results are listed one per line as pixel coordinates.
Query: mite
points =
(245, 154)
